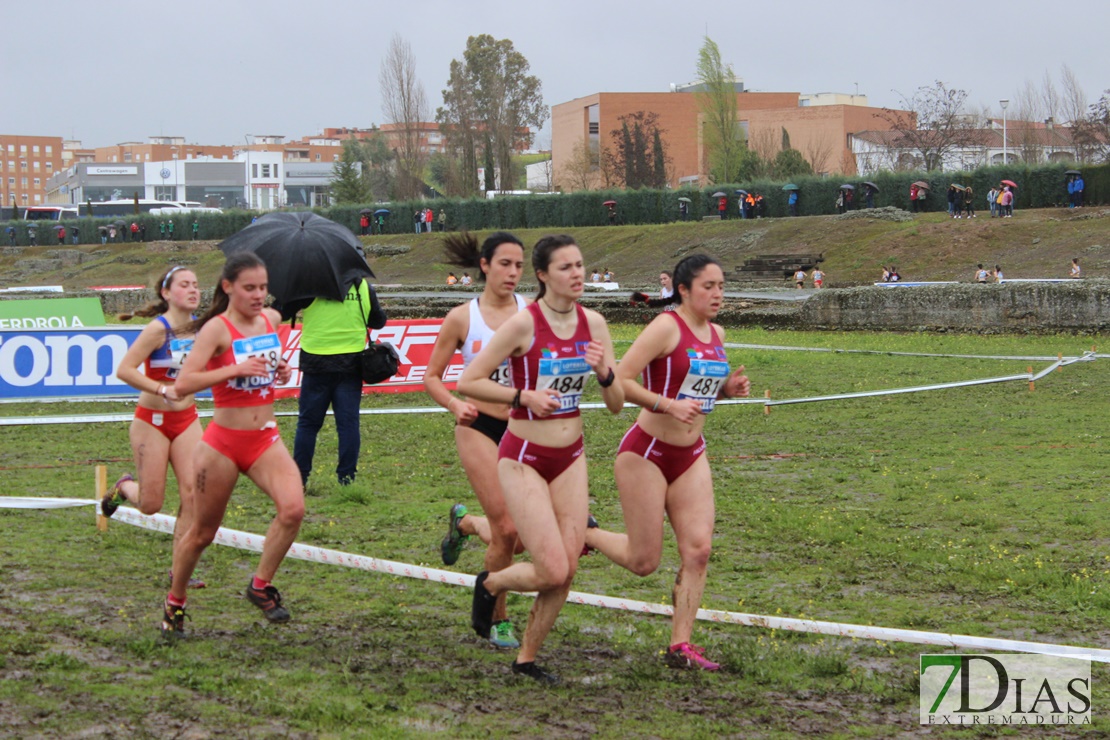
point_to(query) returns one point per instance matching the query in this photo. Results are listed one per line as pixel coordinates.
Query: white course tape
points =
(254, 542)
(34, 502)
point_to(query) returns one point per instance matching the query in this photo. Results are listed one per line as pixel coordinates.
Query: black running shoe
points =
(269, 601)
(481, 608)
(534, 671)
(173, 622)
(114, 497)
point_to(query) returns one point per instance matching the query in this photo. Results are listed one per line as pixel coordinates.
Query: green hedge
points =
(1040, 186)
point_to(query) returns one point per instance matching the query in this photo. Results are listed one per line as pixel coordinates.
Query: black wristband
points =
(516, 399)
(608, 380)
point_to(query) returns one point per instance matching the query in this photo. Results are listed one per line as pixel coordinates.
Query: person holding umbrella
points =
(333, 335)
(60, 232)
(611, 205)
(684, 208)
(791, 198)
(238, 354)
(364, 222)
(11, 235)
(722, 205)
(870, 189)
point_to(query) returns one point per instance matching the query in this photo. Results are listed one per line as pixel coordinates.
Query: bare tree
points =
(766, 143)
(1075, 110)
(1024, 131)
(933, 123)
(818, 151)
(580, 171)
(406, 106)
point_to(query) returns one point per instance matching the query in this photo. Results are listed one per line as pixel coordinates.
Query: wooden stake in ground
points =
(100, 489)
(767, 407)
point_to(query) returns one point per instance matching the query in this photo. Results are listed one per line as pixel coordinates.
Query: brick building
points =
(26, 163)
(818, 126)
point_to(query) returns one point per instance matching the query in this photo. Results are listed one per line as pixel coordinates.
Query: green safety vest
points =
(337, 327)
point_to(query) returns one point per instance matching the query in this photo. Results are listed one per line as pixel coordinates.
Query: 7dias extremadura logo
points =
(1005, 689)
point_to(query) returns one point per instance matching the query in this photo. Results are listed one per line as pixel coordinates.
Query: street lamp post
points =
(1005, 148)
(1050, 125)
(250, 192)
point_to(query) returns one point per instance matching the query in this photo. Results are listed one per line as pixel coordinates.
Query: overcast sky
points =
(110, 71)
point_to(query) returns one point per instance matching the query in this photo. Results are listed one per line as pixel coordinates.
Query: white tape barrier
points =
(1087, 357)
(254, 542)
(786, 348)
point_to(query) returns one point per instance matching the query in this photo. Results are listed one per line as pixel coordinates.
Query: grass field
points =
(976, 510)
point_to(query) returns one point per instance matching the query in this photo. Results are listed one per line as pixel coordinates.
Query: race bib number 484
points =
(266, 346)
(567, 375)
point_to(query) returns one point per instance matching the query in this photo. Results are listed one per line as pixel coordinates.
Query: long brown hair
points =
(235, 265)
(160, 305)
(462, 249)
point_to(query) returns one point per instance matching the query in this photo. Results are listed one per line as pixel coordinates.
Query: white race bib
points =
(566, 375)
(266, 346)
(703, 382)
(179, 350)
(502, 375)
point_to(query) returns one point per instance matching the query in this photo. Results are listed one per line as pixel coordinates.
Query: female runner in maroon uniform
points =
(552, 345)
(166, 428)
(237, 353)
(661, 465)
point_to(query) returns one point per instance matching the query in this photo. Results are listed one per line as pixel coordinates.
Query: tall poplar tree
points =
(724, 143)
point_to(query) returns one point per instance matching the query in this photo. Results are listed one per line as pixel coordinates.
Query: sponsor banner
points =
(69, 363)
(117, 170)
(50, 313)
(413, 341)
(1004, 689)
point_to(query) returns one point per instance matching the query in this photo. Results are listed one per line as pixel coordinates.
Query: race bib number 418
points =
(266, 346)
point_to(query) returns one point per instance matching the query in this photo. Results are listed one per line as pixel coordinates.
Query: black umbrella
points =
(307, 257)
(872, 185)
(366, 212)
(1072, 172)
(120, 222)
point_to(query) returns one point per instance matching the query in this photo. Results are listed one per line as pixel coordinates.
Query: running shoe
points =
(591, 523)
(481, 608)
(173, 622)
(115, 497)
(501, 635)
(452, 545)
(685, 655)
(269, 601)
(534, 671)
(194, 582)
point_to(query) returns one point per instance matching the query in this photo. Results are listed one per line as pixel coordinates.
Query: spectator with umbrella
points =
(379, 218)
(364, 221)
(869, 191)
(60, 232)
(684, 208)
(10, 231)
(612, 206)
(722, 204)
(791, 198)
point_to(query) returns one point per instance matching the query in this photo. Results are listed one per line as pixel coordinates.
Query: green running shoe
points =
(452, 545)
(114, 497)
(502, 636)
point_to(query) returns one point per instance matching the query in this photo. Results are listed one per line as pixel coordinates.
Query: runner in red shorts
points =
(238, 355)
(166, 429)
(551, 346)
(661, 466)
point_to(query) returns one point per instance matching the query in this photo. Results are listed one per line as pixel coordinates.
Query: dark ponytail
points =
(462, 249)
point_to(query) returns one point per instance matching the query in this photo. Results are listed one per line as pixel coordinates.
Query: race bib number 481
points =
(703, 382)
